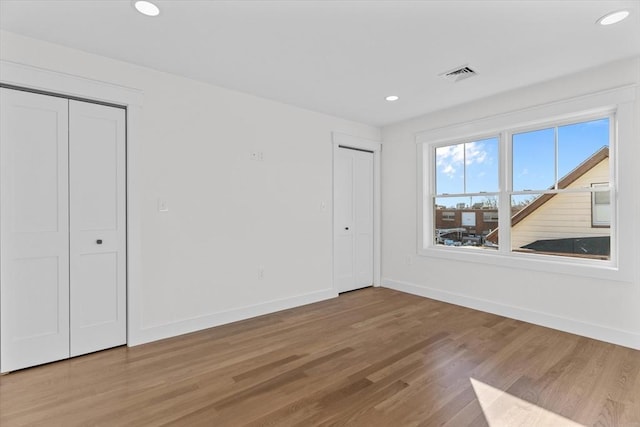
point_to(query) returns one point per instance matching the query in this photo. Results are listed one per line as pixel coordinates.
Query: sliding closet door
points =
(34, 229)
(98, 227)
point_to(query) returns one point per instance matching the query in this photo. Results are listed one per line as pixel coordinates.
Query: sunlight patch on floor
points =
(502, 409)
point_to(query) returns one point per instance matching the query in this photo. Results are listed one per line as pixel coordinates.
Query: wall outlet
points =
(409, 260)
(260, 272)
(257, 156)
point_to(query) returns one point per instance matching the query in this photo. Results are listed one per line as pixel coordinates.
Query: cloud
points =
(475, 153)
(449, 170)
(451, 157)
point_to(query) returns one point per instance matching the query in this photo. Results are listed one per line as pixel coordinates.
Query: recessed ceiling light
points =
(146, 8)
(613, 17)
(392, 98)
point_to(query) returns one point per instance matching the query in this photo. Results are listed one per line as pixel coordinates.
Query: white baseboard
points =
(186, 326)
(598, 332)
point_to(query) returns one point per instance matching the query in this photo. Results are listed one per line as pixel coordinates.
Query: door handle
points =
(346, 228)
(99, 241)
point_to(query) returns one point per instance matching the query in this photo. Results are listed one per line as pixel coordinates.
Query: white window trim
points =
(619, 101)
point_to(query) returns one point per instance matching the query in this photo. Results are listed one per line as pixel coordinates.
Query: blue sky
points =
(481, 170)
(533, 152)
(533, 159)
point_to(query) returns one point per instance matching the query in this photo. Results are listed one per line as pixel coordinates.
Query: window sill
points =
(597, 269)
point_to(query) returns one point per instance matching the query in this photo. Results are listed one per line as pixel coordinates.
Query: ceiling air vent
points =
(458, 73)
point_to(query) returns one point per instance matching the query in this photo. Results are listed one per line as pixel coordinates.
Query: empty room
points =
(320, 212)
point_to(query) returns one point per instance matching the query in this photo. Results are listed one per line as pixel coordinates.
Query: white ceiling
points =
(344, 57)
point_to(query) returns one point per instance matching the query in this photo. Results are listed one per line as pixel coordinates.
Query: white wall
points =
(604, 309)
(227, 214)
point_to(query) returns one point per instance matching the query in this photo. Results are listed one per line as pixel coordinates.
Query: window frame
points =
(617, 104)
(609, 114)
(433, 180)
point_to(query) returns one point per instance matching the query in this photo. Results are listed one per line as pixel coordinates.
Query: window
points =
(448, 216)
(466, 180)
(612, 112)
(600, 206)
(490, 216)
(545, 189)
(553, 172)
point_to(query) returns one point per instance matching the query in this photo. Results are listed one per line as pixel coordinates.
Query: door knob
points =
(99, 241)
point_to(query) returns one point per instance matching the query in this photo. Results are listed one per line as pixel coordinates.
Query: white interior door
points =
(34, 229)
(353, 219)
(98, 227)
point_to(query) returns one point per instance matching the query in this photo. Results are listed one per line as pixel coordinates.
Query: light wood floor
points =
(374, 357)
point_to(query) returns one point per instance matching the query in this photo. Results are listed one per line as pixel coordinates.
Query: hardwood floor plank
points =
(266, 368)
(470, 415)
(423, 344)
(374, 357)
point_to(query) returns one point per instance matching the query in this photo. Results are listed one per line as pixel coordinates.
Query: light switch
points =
(162, 205)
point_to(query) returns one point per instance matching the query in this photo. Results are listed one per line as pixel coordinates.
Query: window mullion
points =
(504, 200)
(464, 168)
(556, 150)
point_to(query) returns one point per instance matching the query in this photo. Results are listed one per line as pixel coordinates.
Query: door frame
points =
(348, 141)
(36, 79)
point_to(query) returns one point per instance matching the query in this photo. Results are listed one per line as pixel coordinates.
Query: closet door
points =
(98, 227)
(34, 229)
(353, 219)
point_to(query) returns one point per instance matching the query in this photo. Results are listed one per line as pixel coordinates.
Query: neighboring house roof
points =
(564, 182)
